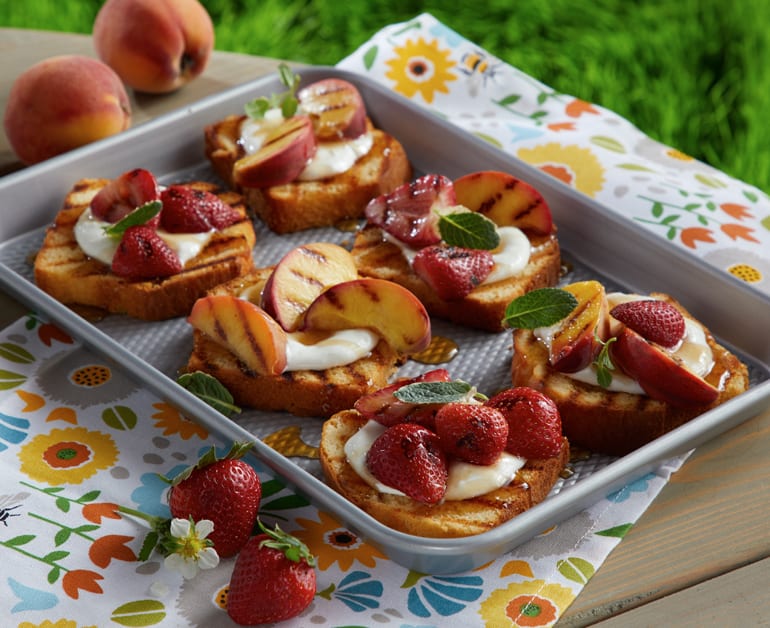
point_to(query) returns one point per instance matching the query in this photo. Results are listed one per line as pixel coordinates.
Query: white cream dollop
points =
(335, 349)
(90, 236)
(465, 480)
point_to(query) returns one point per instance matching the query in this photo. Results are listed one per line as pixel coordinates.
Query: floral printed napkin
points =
(79, 439)
(722, 220)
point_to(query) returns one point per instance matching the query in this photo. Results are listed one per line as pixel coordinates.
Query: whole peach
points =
(61, 103)
(155, 46)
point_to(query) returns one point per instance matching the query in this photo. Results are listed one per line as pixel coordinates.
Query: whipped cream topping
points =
(331, 157)
(465, 480)
(90, 236)
(308, 351)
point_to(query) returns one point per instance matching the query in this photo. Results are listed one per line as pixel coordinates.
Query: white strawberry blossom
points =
(190, 550)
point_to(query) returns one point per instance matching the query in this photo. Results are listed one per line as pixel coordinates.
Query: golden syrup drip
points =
(441, 349)
(349, 225)
(287, 442)
(566, 473)
(577, 454)
(566, 268)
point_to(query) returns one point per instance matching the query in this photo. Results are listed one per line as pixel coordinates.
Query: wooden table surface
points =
(700, 554)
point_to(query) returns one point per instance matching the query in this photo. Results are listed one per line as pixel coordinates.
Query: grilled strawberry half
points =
(656, 321)
(273, 579)
(452, 271)
(142, 255)
(534, 422)
(187, 210)
(124, 194)
(471, 432)
(409, 458)
(385, 408)
(227, 491)
(408, 212)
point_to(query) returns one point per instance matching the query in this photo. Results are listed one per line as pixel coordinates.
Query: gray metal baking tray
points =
(597, 242)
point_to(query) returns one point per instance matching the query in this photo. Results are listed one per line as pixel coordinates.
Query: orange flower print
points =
(735, 232)
(574, 165)
(692, 235)
(104, 549)
(333, 543)
(420, 67)
(171, 421)
(97, 511)
(578, 107)
(529, 603)
(81, 579)
(735, 210)
(67, 456)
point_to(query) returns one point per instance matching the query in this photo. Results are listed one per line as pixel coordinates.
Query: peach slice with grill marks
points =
(376, 304)
(505, 200)
(300, 276)
(243, 328)
(284, 152)
(336, 108)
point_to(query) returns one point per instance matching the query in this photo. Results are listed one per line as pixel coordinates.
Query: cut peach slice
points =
(336, 108)
(382, 306)
(574, 344)
(505, 200)
(300, 276)
(243, 328)
(659, 374)
(283, 154)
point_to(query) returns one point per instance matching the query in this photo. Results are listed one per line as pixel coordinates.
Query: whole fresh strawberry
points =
(656, 321)
(227, 491)
(188, 210)
(534, 422)
(452, 271)
(408, 212)
(124, 194)
(142, 254)
(273, 579)
(472, 432)
(409, 458)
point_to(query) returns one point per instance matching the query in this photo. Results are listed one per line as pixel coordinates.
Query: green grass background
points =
(694, 74)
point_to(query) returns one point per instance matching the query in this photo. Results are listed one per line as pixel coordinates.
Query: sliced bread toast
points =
(448, 519)
(611, 422)
(302, 205)
(302, 392)
(484, 308)
(63, 270)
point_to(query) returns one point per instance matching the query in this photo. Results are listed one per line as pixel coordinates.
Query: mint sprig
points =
(603, 363)
(539, 308)
(435, 392)
(469, 230)
(139, 216)
(210, 390)
(285, 101)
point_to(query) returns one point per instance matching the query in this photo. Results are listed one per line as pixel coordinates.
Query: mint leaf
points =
(210, 390)
(433, 392)
(139, 216)
(469, 230)
(539, 308)
(285, 101)
(603, 363)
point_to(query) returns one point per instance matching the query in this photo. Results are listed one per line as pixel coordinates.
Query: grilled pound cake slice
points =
(300, 205)
(616, 422)
(318, 393)
(484, 307)
(63, 270)
(447, 519)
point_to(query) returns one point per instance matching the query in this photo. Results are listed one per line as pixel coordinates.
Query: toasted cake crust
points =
(449, 519)
(484, 308)
(611, 422)
(302, 393)
(65, 272)
(302, 205)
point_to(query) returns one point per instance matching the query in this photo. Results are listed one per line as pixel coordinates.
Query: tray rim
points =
(426, 555)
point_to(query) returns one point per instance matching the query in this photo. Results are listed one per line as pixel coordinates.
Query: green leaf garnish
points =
(539, 308)
(435, 392)
(285, 101)
(210, 390)
(469, 230)
(603, 363)
(139, 216)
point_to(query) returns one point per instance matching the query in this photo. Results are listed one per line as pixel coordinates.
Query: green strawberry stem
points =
(291, 547)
